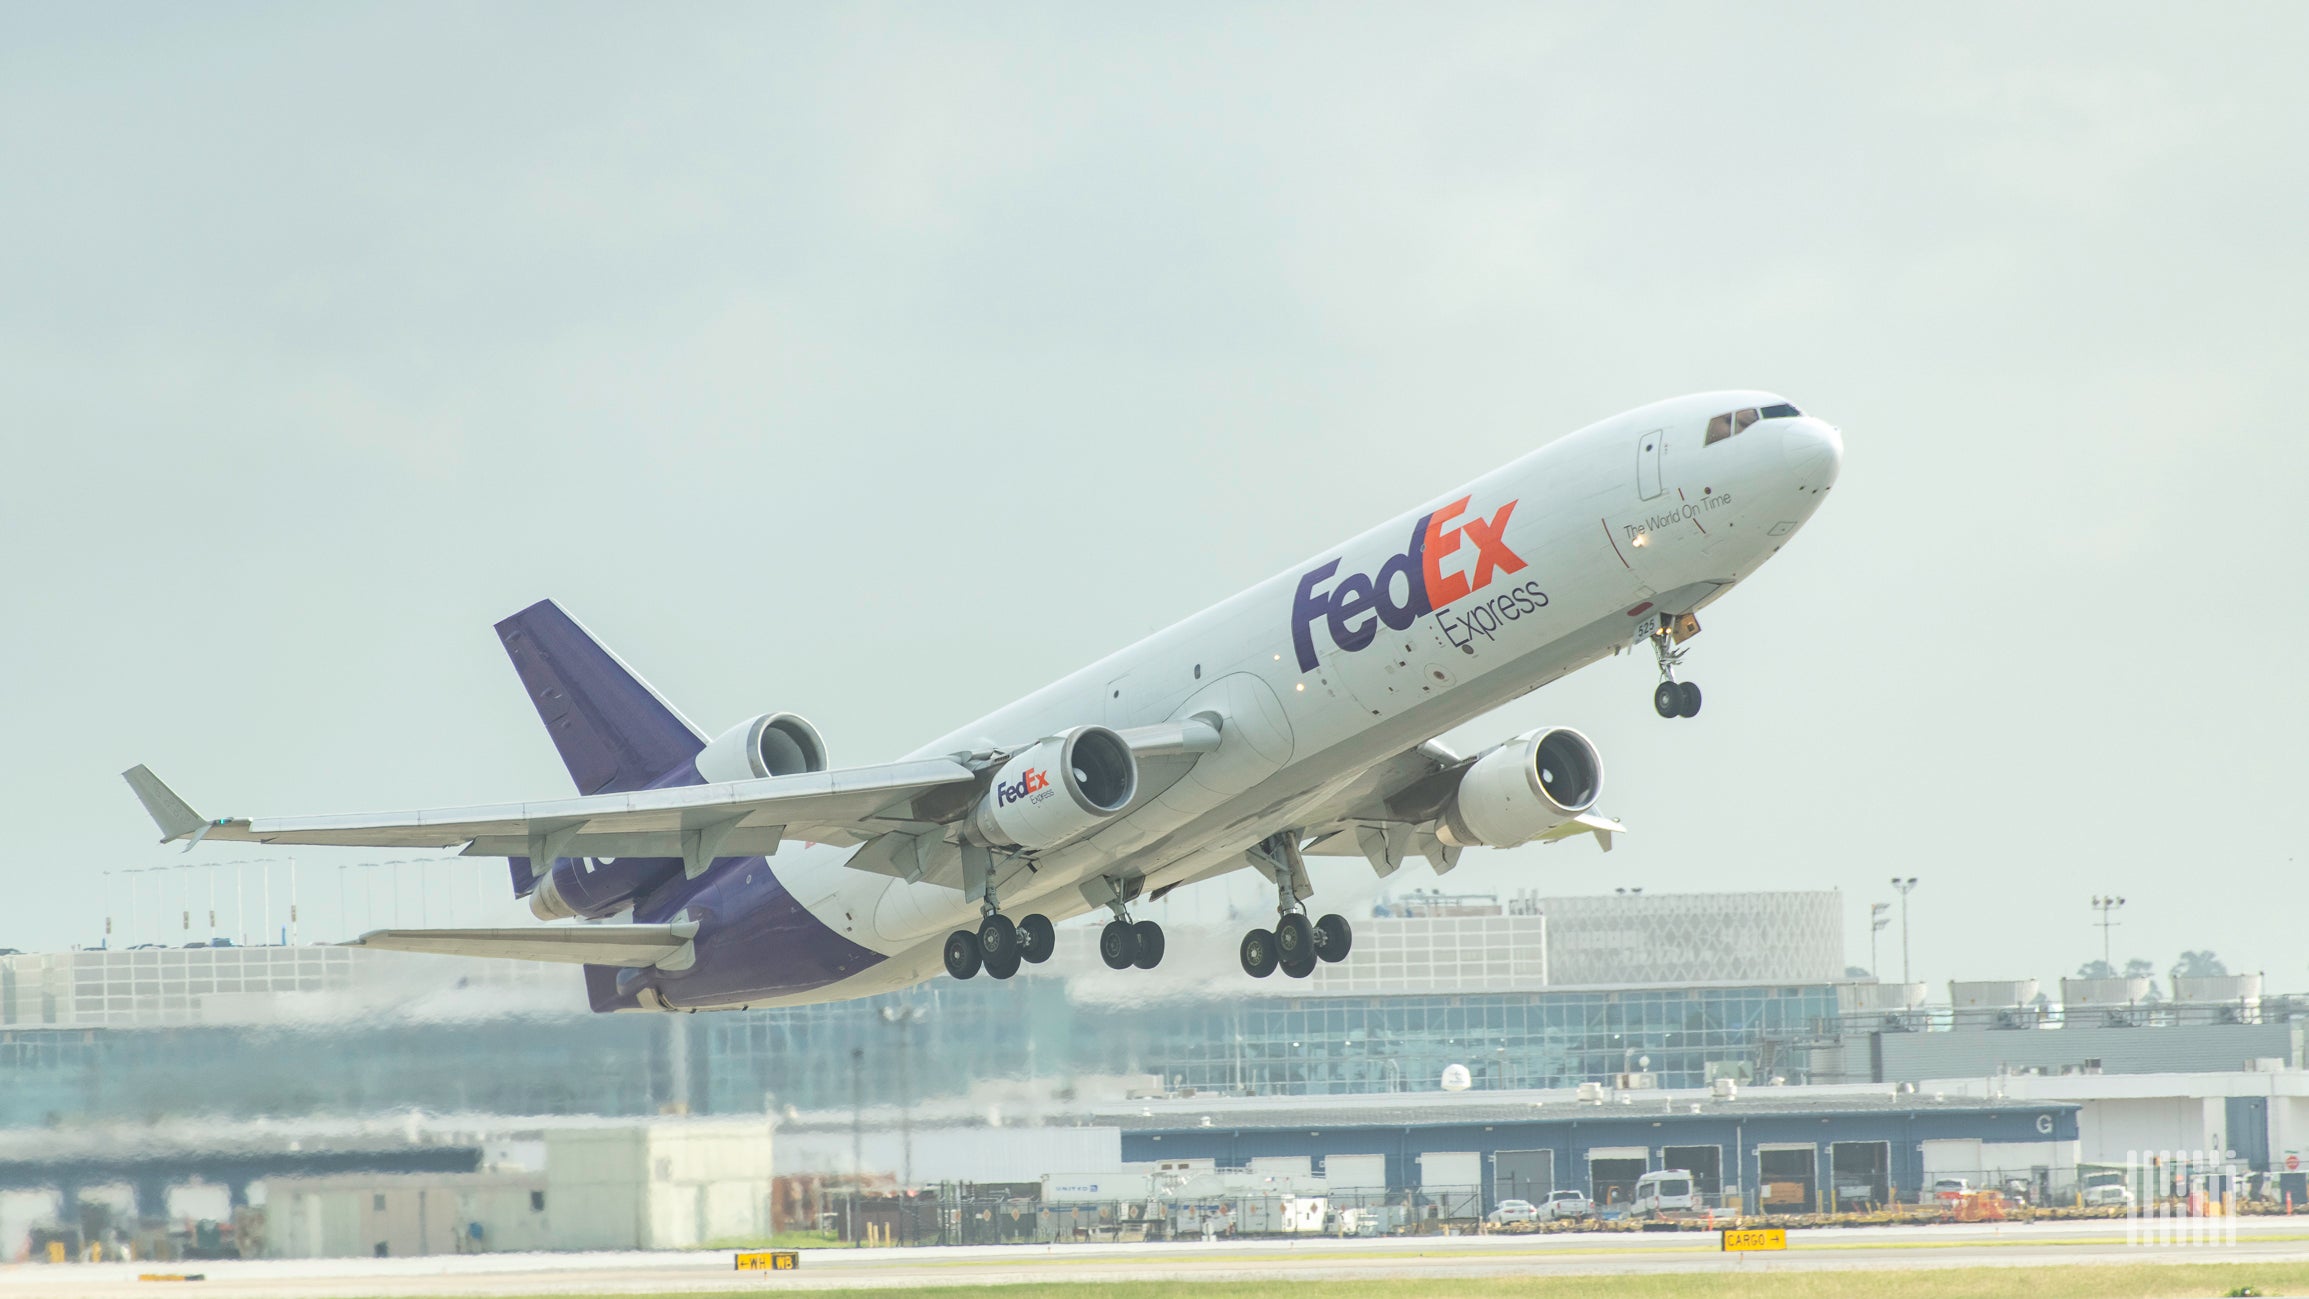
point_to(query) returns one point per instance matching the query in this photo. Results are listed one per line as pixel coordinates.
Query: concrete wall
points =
(403, 1215)
(2174, 1048)
(660, 1185)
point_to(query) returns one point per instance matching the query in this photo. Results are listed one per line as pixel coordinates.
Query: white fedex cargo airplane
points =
(1298, 717)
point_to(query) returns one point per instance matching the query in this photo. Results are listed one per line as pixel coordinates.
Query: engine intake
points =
(1056, 789)
(1523, 789)
(773, 744)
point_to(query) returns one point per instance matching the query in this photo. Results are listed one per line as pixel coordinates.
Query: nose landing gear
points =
(1673, 698)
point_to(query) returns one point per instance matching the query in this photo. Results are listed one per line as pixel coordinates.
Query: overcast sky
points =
(884, 363)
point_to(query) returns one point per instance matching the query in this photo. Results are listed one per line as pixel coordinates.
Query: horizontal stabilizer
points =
(629, 945)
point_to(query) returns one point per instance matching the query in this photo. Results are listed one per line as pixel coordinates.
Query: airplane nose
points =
(1814, 450)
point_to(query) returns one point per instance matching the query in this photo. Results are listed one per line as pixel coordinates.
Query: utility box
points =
(667, 1184)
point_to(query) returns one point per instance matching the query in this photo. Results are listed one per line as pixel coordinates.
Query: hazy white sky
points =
(883, 363)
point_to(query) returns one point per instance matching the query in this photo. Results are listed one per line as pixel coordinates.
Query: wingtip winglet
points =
(173, 815)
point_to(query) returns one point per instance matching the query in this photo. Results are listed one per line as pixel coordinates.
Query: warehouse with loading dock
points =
(1747, 1152)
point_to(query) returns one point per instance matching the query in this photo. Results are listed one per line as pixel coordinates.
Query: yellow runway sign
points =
(770, 1260)
(1754, 1238)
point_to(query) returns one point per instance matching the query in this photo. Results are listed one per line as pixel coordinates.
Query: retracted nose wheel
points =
(1258, 953)
(962, 955)
(1118, 944)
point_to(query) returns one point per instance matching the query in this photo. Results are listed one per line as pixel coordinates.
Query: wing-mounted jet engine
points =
(1055, 790)
(1526, 788)
(773, 744)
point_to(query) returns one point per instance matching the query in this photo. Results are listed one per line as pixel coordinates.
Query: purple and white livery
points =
(1295, 718)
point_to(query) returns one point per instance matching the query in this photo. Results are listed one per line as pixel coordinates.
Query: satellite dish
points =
(1456, 1078)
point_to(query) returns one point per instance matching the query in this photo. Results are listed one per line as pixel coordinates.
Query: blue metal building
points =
(1761, 1153)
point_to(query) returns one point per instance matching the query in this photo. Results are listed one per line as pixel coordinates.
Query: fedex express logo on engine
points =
(1413, 583)
(1029, 782)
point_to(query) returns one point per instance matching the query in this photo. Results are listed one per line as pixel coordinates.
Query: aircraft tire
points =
(1036, 941)
(1118, 944)
(1668, 701)
(1302, 967)
(1294, 938)
(962, 955)
(1005, 965)
(1689, 698)
(1258, 953)
(998, 939)
(1150, 945)
(1333, 937)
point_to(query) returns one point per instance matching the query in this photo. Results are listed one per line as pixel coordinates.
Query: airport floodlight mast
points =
(1905, 886)
(1879, 916)
(2107, 907)
(905, 1017)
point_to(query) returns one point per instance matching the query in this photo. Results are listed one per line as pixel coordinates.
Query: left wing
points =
(695, 822)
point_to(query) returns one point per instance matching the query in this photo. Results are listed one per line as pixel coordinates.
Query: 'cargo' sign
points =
(1746, 1240)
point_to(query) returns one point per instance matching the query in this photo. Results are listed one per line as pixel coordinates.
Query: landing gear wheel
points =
(1150, 944)
(1005, 965)
(1118, 944)
(1688, 696)
(998, 940)
(1258, 953)
(1294, 938)
(1036, 941)
(1333, 937)
(1302, 967)
(1668, 700)
(962, 955)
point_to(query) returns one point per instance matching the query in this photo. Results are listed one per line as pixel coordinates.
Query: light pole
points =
(905, 1017)
(857, 1138)
(1905, 886)
(2106, 906)
(1879, 915)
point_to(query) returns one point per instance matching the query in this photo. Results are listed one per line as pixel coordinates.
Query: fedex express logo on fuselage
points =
(1029, 782)
(1413, 583)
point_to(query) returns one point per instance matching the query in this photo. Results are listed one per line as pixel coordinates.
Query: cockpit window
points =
(1734, 423)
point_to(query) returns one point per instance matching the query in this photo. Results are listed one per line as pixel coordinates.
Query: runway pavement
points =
(1993, 1245)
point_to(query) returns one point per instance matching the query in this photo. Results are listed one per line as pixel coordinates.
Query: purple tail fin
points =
(613, 731)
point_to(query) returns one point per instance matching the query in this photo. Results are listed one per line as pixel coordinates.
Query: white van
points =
(1666, 1192)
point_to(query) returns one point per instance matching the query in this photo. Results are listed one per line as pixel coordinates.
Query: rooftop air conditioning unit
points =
(1591, 1092)
(1725, 1089)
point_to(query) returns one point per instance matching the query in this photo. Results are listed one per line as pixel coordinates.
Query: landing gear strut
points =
(1674, 698)
(1295, 944)
(999, 944)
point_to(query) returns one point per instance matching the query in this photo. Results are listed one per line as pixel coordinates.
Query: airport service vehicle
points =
(2102, 1190)
(1513, 1211)
(1566, 1204)
(1298, 717)
(1951, 1188)
(1660, 1194)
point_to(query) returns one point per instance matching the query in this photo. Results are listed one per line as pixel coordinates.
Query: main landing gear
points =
(999, 945)
(1126, 942)
(1295, 944)
(1674, 698)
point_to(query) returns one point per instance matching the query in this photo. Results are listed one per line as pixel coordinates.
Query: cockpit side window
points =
(1719, 428)
(1741, 419)
(1734, 423)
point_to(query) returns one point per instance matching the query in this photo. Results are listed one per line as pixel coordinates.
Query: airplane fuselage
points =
(1365, 650)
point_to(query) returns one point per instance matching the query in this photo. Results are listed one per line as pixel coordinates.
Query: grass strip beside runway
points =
(2058, 1281)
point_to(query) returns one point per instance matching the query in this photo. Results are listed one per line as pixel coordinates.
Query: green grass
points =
(2058, 1281)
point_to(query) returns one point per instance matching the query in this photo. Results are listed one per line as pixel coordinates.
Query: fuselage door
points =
(1648, 463)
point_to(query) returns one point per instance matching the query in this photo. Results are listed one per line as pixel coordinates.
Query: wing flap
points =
(626, 945)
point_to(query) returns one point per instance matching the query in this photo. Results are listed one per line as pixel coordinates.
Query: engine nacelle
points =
(1057, 789)
(773, 744)
(1523, 789)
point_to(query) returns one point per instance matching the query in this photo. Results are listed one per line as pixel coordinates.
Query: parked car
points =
(1513, 1211)
(1566, 1204)
(1951, 1188)
(1662, 1193)
(2102, 1190)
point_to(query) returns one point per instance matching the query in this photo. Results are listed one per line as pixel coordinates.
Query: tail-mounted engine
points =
(1522, 789)
(1056, 789)
(773, 744)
